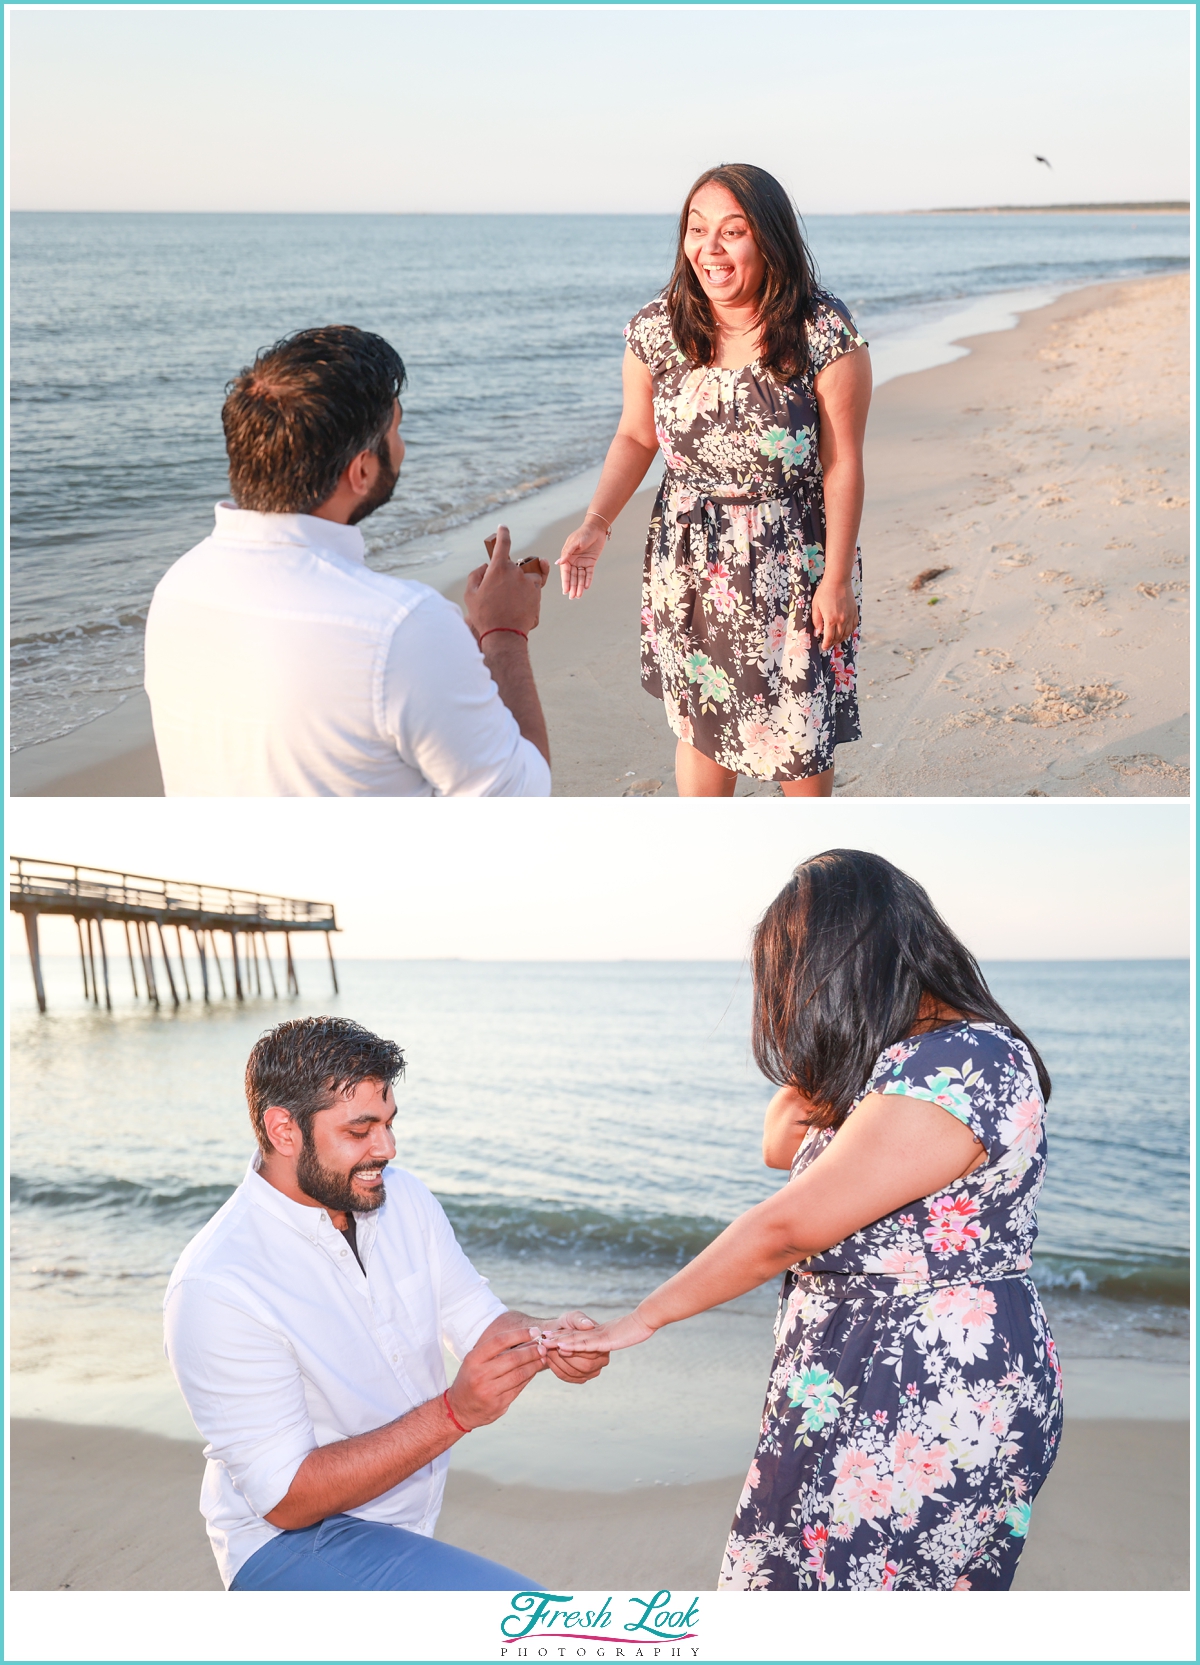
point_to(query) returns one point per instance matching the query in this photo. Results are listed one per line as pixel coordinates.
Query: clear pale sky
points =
(607, 109)
(585, 879)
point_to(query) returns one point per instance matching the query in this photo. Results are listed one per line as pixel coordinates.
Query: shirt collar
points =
(246, 526)
(302, 1217)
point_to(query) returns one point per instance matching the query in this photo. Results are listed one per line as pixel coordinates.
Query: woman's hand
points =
(834, 612)
(586, 1366)
(579, 556)
(605, 1338)
(784, 1127)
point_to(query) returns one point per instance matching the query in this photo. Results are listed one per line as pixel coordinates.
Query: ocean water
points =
(126, 328)
(588, 1128)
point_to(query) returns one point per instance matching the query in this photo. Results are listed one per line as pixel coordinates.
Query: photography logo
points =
(541, 1625)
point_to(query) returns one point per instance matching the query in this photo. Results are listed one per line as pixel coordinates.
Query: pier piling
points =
(35, 959)
(162, 943)
(187, 987)
(129, 951)
(104, 963)
(82, 958)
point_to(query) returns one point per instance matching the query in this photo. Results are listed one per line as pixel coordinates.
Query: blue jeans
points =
(345, 1553)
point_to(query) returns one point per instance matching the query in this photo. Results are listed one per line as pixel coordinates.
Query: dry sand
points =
(1048, 474)
(1045, 475)
(107, 1509)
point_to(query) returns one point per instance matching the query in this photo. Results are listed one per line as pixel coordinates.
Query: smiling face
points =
(349, 1145)
(720, 248)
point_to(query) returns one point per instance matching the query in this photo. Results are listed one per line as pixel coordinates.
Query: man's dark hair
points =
(302, 411)
(307, 1064)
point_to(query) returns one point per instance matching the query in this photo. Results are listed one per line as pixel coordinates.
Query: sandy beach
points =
(108, 1509)
(1042, 479)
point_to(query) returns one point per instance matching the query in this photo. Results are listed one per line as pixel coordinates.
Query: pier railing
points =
(61, 887)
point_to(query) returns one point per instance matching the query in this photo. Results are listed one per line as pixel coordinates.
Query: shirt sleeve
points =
(466, 1304)
(242, 1384)
(445, 714)
(831, 334)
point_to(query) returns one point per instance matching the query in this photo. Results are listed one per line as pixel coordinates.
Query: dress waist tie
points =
(916, 1283)
(697, 515)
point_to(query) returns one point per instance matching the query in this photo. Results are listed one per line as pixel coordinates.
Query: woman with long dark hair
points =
(915, 1404)
(755, 385)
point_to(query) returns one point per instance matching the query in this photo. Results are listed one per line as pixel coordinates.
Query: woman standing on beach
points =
(915, 1404)
(755, 385)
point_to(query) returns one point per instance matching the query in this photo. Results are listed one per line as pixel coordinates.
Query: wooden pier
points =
(150, 908)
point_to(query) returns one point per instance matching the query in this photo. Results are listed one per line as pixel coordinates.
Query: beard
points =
(381, 492)
(334, 1190)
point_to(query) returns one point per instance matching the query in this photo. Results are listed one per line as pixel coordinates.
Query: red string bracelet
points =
(507, 629)
(451, 1415)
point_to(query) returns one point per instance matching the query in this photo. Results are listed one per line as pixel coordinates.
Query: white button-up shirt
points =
(280, 1343)
(278, 664)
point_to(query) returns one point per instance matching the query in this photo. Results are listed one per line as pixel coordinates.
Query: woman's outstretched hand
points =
(605, 1338)
(579, 556)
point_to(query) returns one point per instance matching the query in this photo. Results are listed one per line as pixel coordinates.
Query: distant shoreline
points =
(1067, 208)
(603, 214)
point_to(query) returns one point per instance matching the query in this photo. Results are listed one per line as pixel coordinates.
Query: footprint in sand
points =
(1055, 705)
(1139, 763)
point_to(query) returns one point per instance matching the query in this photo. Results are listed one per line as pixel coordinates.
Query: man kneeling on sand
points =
(304, 1326)
(278, 664)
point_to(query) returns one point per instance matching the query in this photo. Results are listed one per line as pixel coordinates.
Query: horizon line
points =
(635, 959)
(1160, 206)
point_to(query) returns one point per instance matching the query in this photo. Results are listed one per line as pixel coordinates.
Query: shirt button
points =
(395, 1358)
(343, 1254)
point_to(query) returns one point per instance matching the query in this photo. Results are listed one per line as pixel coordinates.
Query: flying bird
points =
(1044, 162)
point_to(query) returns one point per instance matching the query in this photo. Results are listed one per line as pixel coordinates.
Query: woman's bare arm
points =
(843, 392)
(629, 456)
(893, 1150)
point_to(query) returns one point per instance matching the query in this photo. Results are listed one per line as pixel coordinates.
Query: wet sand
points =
(1043, 479)
(110, 1509)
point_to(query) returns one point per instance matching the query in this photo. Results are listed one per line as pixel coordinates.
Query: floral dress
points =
(735, 549)
(915, 1404)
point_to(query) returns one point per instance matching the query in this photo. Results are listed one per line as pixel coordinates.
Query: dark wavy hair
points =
(307, 1064)
(297, 416)
(789, 284)
(842, 958)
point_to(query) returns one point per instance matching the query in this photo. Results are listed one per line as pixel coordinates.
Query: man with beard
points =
(278, 664)
(305, 1324)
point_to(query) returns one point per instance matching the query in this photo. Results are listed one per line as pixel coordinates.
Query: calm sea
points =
(587, 1127)
(126, 327)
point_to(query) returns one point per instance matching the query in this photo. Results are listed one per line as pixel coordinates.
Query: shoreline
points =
(110, 1509)
(610, 739)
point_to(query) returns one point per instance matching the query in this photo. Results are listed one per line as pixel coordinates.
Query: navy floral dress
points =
(735, 549)
(915, 1404)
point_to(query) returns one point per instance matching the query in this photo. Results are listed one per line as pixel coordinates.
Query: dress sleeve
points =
(648, 334)
(978, 1075)
(832, 333)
